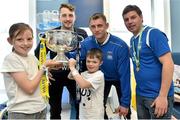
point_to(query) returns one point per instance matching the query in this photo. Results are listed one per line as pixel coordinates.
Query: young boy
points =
(91, 83)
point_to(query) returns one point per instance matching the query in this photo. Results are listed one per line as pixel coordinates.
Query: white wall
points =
(155, 13)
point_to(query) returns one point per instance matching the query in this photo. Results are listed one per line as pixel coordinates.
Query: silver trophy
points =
(61, 41)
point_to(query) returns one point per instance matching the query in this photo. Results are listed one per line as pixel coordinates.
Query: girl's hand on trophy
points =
(52, 64)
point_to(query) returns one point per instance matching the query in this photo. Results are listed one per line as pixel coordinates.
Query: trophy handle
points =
(81, 37)
(42, 35)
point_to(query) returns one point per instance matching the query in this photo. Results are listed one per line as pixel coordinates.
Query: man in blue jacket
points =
(116, 61)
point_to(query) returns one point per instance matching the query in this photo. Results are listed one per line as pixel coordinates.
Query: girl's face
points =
(22, 43)
(93, 64)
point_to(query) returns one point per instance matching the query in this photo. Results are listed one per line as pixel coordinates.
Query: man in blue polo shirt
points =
(153, 67)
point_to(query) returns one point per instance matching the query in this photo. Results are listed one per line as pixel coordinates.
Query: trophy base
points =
(63, 60)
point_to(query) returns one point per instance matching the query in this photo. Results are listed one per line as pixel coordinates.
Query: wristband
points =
(74, 72)
(44, 68)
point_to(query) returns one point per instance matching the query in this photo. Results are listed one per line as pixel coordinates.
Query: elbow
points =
(82, 86)
(29, 90)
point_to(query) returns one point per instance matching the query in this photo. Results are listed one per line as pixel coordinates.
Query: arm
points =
(161, 102)
(167, 73)
(77, 77)
(124, 73)
(29, 86)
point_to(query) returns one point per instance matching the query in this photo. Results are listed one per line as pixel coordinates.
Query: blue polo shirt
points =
(148, 78)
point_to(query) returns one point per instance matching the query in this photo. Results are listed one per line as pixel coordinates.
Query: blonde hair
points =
(68, 6)
(95, 53)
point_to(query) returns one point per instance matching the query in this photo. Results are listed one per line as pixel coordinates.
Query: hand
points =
(72, 63)
(70, 76)
(52, 64)
(161, 106)
(123, 111)
(50, 76)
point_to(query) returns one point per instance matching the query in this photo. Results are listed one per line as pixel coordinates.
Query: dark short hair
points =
(95, 53)
(130, 8)
(96, 16)
(68, 6)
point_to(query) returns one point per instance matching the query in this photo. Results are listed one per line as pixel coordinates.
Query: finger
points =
(120, 113)
(55, 68)
(163, 111)
(158, 113)
(152, 105)
(51, 78)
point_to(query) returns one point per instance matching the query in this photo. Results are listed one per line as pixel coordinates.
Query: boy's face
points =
(92, 64)
(22, 43)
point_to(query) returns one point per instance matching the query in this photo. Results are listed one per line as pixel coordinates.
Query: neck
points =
(65, 28)
(101, 40)
(140, 29)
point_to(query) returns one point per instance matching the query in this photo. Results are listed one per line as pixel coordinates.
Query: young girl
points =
(21, 76)
(91, 83)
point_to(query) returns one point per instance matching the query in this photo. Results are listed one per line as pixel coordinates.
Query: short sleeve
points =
(12, 64)
(96, 79)
(159, 42)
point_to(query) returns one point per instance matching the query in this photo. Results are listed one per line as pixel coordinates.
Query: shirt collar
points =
(144, 27)
(108, 35)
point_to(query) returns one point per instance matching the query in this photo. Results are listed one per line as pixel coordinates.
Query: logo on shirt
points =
(109, 55)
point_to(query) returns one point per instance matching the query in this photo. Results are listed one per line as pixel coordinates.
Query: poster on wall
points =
(47, 15)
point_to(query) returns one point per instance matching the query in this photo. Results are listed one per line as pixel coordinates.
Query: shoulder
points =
(99, 72)
(11, 57)
(11, 63)
(32, 57)
(153, 31)
(88, 39)
(117, 41)
(81, 32)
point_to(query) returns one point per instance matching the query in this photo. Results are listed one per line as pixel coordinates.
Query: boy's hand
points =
(72, 63)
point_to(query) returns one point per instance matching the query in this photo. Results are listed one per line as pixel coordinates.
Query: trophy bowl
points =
(61, 41)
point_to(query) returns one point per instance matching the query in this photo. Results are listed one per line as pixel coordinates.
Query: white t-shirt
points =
(91, 105)
(19, 101)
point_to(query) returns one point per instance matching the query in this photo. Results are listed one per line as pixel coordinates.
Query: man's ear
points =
(9, 40)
